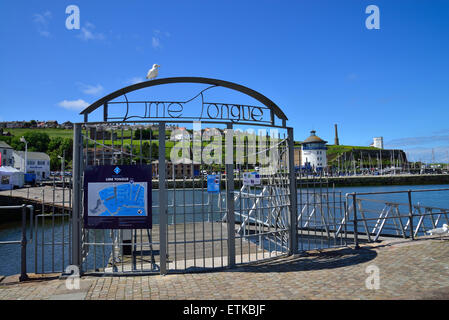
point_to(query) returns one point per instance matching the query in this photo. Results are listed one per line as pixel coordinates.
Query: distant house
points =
(180, 134)
(37, 162)
(6, 154)
(182, 168)
(101, 134)
(67, 125)
(41, 124)
(51, 124)
(15, 124)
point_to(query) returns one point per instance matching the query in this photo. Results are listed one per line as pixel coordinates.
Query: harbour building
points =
(6, 158)
(313, 153)
(37, 162)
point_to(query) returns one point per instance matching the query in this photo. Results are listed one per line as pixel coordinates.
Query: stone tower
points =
(336, 136)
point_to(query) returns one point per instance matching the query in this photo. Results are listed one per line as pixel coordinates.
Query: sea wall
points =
(419, 179)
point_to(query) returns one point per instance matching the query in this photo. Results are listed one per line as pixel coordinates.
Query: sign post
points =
(213, 183)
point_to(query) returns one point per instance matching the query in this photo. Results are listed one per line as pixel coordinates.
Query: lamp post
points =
(22, 139)
(62, 165)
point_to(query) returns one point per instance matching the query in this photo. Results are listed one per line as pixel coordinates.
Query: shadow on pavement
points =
(313, 261)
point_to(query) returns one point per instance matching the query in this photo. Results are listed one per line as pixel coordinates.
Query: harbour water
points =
(56, 228)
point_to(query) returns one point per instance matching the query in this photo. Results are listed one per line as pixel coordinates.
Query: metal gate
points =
(250, 217)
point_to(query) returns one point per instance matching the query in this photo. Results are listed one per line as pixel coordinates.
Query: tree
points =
(146, 134)
(66, 148)
(60, 147)
(37, 141)
(16, 144)
(55, 144)
(146, 151)
(55, 161)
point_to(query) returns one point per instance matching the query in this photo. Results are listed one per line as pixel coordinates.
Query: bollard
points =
(356, 235)
(23, 247)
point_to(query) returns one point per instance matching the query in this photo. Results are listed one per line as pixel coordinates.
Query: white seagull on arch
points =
(152, 73)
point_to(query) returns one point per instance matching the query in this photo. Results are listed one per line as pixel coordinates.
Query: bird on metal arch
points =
(153, 72)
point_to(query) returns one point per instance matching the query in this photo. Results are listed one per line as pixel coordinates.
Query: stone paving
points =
(407, 270)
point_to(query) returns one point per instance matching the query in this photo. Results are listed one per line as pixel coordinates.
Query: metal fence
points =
(321, 213)
(23, 210)
(199, 224)
(374, 219)
(192, 228)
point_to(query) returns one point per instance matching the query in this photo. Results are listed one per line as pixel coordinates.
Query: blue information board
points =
(213, 183)
(117, 197)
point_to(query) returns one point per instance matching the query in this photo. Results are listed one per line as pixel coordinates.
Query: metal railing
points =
(23, 241)
(401, 224)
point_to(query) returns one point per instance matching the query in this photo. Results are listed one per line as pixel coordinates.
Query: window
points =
(30, 162)
(41, 163)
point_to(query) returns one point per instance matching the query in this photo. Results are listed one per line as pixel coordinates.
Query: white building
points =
(10, 178)
(378, 142)
(313, 152)
(38, 163)
(6, 157)
(180, 134)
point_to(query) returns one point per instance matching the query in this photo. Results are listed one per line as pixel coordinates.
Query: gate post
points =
(293, 245)
(162, 201)
(76, 196)
(230, 214)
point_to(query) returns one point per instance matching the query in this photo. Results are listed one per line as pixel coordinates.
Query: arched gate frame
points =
(193, 228)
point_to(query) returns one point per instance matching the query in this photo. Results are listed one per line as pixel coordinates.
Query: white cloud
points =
(79, 104)
(91, 90)
(157, 37)
(41, 21)
(88, 33)
(156, 42)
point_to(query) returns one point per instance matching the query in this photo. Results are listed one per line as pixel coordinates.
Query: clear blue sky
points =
(315, 59)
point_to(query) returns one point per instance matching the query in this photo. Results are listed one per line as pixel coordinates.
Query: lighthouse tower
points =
(313, 152)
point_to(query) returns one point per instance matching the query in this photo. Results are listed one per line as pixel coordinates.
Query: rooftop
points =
(33, 155)
(4, 145)
(313, 138)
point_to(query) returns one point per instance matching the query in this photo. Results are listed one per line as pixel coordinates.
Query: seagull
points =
(439, 231)
(152, 73)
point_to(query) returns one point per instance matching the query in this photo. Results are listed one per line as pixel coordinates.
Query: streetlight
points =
(62, 165)
(22, 139)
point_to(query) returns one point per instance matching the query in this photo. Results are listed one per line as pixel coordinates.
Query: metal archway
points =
(269, 104)
(173, 246)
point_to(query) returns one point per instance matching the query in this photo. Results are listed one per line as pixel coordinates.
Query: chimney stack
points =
(337, 143)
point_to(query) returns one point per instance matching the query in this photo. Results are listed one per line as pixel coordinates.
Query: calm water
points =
(54, 229)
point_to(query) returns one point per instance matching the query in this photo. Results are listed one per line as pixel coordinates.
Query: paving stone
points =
(407, 270)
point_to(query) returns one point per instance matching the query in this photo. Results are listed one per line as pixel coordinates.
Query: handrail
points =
(398, 191)
(410, 215)
(23, 241)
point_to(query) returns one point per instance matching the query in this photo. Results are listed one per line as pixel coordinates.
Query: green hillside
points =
(52, 132)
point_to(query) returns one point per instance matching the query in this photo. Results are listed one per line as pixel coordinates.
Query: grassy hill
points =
(52, 132)
(333, 151)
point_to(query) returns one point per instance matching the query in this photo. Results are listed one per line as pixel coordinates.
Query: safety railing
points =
(23, 241)
(388, 220)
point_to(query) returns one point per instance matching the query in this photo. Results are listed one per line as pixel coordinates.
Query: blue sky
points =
(315, 59)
